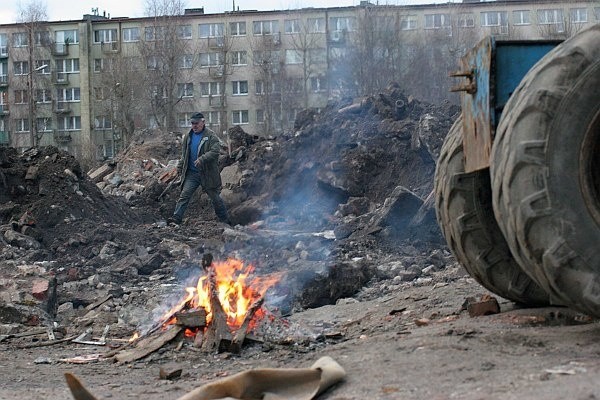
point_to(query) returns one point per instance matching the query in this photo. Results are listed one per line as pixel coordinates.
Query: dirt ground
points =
(339, 209)
(545, 353)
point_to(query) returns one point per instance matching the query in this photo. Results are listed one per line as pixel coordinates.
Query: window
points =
(68, 94)
(41, 38)
(3, 44)
(239, 58)
(43, 96)
(437, 21)
(184, 31)
(131, 34)
(265, 27)
(259, 87)
(265, 57)
(185, 89)
(341, 23)
(239, 117)
(213, 117)
(69, 65)
(102, 64)
(159, 91)
(20, 67)
(237, 28)
(99, 93)
(154, 33)
(552, 17)
(186, 61)
(210, 89)
(239, 88)
(579, 15)
(494, 18)
(408, 22)
(102, 122)
(152, 62)
(521, 17)
(293, 56)
(210, 30)
(42, 67)
(69, 36)
(69, 123)
(21, 97)
(291, 26)
(183, 119)
(317, 56)
(315, 25)
(22, 125)
(20, 39)
(105, 36)
(318, 84)
(210, 59)
(597, 13)
(466, 20)
(43, 124)
(260, 116)
(3, 75)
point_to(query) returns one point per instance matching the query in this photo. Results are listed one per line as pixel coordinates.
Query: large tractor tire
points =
(464, 212)
(545, 171)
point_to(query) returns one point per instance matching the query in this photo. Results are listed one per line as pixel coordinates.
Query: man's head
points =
(197, 121)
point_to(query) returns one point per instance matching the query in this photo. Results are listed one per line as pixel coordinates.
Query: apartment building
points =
(85, 85)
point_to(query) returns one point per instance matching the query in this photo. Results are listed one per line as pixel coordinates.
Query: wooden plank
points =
(148, 345)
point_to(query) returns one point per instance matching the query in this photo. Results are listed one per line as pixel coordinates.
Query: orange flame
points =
(236, 292)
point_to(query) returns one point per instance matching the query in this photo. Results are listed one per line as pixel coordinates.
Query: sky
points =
(61, 10)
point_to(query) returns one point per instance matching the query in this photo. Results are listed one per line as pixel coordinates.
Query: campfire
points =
(222, 307)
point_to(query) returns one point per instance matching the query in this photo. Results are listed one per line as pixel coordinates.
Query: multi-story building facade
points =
(85, 85)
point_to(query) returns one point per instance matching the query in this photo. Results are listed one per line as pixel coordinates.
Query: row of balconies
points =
(58, 78)
(58, 107)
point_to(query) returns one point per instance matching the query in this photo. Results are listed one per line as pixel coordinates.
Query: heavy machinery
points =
(517, 184)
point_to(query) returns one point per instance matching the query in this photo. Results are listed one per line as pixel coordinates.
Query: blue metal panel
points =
(493, 69)
(513, 60)
(477, 105)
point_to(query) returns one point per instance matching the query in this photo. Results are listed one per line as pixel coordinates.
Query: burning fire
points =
(236, 292)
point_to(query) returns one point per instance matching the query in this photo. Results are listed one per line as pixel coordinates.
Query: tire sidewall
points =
(566, 183)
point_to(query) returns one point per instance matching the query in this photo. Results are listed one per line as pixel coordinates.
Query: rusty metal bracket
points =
(470, 86)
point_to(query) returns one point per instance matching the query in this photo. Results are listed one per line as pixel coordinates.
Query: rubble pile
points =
(340, 205)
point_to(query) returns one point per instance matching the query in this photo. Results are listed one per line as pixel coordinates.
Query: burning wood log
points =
(217, 333)
(240, 335)
(148, 345)
(195, 318)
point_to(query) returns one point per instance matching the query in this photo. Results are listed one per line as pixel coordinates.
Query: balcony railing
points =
(217, 101)
(4, 109)
(61, 136)
(216, 42)
(110, 47)
(61, 78)
(216, 71)
(3, 51)
(3, 80)
(62, 107)
(60, 49)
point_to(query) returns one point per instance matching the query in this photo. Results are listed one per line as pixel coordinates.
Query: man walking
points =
(199, 166)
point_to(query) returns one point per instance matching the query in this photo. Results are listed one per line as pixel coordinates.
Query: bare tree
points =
(266, 58)
(117, 91)
(307, 52)
(162, 46)
(33, 18)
